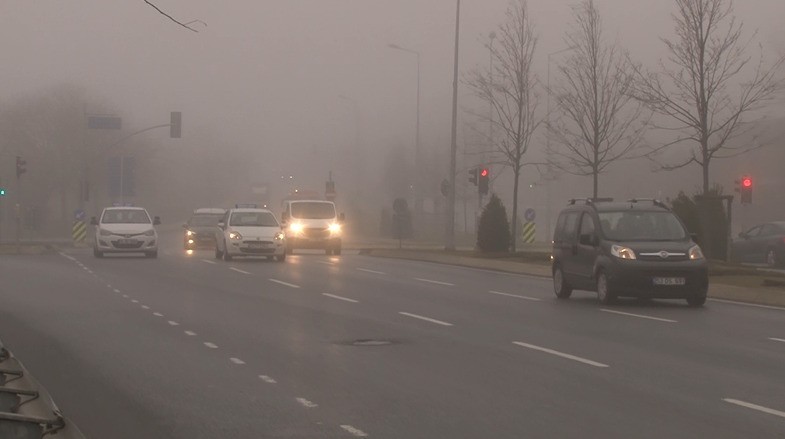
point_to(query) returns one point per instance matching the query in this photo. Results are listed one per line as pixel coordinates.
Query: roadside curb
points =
(717, 290)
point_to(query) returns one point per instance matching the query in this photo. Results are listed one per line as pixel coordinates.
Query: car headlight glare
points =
(296, 228)
(104, 232)
(335, 228)
(189, 233)
(622, 252)
(235, 235)
(696, 253)
(279, 236)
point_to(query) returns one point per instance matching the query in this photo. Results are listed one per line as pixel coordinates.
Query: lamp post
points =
(450, 232)
(417, 156)
(548, 169)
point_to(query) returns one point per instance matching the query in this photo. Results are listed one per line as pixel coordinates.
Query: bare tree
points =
(709, 84)
(598, 122)
(510, 91)
(185, 25)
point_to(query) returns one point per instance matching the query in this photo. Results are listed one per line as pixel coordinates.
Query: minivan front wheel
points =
(604, 294)
(560, 286)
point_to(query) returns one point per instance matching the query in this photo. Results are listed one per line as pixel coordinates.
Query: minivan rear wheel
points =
(604, 293)
(562, 289)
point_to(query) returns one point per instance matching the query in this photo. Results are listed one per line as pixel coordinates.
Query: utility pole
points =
(450, 238)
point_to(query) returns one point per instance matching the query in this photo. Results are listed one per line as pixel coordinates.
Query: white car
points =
(125, 230)
(250, 232)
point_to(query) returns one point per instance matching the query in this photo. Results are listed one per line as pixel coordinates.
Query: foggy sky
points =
(270, 74)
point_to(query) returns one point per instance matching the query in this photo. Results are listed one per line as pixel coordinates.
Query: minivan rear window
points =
(641, 226)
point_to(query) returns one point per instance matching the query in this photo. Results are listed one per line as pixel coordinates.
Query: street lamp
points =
(450, 232)
(417, 157)
(548, 169)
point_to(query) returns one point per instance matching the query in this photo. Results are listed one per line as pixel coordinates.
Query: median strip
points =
(427, 319)
(560, 354)
(640, 316)
(752, 406)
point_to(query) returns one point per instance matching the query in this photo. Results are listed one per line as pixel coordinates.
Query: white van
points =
(312, 224)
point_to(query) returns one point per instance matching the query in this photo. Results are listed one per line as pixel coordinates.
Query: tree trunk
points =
(705, 167)
(514, 226)
(596, 176)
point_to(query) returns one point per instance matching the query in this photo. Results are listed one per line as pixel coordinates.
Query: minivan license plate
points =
(669, 281)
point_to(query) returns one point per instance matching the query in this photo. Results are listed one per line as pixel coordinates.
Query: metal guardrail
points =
(27, 411)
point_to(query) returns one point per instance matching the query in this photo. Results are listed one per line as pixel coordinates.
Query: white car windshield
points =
(125, 216)
(253, 219)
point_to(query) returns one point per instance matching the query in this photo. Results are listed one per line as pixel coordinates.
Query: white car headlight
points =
(189, 233)
(235, 235)
(296, 227)
(279, 236)
(622, 252)
(150, 232)
(104, 232)
(335, 228)
(696, 253)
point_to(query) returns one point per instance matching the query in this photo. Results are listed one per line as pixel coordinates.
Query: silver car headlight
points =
(696, 253)
(235, 236)
(104, 232)
(623, 252)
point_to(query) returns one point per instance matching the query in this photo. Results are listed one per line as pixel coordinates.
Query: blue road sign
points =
(529, 214)
(79, 215)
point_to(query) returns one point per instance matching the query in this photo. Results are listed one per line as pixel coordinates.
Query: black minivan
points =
(637, 248)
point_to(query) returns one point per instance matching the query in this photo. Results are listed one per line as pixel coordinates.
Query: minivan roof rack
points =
(590, 200)
(653, 201)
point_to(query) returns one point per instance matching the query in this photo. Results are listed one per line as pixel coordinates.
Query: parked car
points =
(762, 244)
(638, 248)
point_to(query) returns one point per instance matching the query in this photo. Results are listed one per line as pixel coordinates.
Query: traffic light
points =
(485, 176)
(746, 190)
(20, 167)
(175, 124)
(2, 192)
(473, 173)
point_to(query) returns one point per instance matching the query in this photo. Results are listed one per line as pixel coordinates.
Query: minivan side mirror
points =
(93, 221)
(156, 220)
(342, 217)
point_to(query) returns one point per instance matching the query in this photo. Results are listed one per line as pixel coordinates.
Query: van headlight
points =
(189, 233)
(335, 228)
(696, 253)
(296, 228)
(622, 252)
(235, 236)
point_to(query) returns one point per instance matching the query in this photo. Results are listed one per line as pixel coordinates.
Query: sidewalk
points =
(717, 289)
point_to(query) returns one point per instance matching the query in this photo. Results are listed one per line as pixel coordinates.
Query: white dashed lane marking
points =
(499, 293)
(208, 261)
(135, 301)
(287, 284)
(238, 270)
(427, 319)
(145, 307)
(640, 316)
(560, 354)
(116, 290)
(346, 299)
(173, 323)
(191, 333)
(752, 406)
(437, 282)
(158, 314)
(307, 404)
(777, 339)
(267, 379)
(211, 345)
(236, 360)
(354, 431)
(370, 271)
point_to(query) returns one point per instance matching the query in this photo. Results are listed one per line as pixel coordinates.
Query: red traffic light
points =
(746, 182)
(484, 172)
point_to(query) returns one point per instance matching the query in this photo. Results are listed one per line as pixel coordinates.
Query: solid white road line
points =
(640, 316)
(211, 345)
(754, 305)
(236, 360)
(777, 339)
(370, 271)
(356, 432)
(427, 319)
(437, 282)
(238, 270)
(533, 299)
(267, 379)
(759, 408)
(191, 333)
(560, 354)
(307, 404)
(173, 323)
(208, 261)
(280, 282)
(158, 314)
(340, 298)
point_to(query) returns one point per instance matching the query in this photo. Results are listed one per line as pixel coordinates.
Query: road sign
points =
(79, 215)
(529, 214)
(529, 230)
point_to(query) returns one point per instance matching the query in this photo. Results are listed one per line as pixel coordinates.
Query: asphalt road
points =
(186, 346)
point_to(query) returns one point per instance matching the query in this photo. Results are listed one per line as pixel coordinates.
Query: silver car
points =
(125, 230)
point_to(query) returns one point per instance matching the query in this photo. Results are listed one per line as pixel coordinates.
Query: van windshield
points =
(313, 210)
(641, 226)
